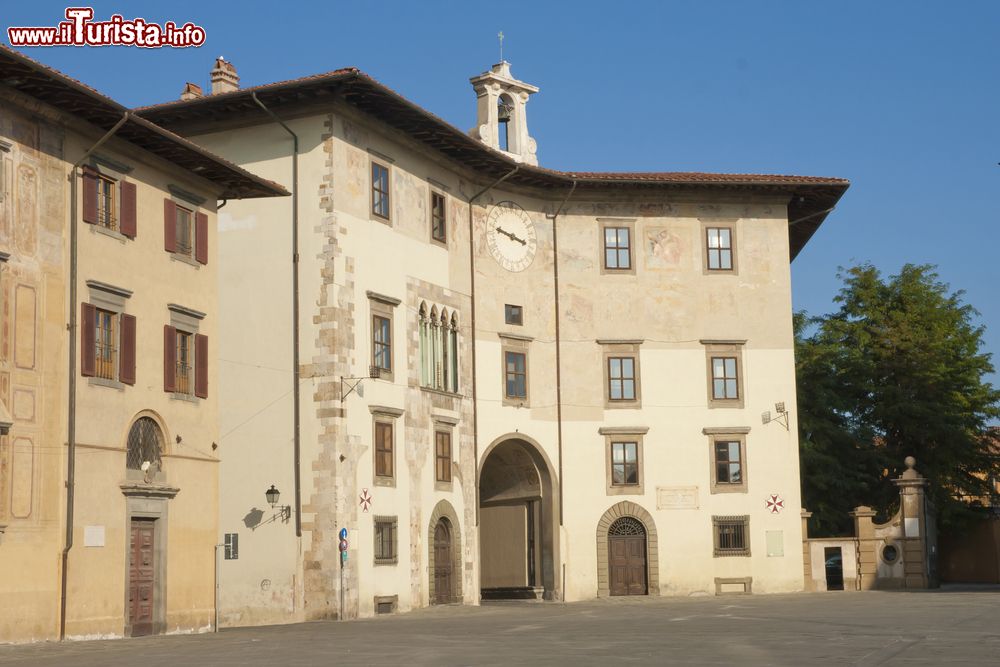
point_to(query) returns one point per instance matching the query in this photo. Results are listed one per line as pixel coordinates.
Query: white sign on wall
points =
(93, 536)
(677, 497)
(911, 525)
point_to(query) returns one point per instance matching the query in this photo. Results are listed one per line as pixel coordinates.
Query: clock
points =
(510, 236)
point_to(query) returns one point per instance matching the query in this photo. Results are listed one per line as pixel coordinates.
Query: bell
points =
(504, 112)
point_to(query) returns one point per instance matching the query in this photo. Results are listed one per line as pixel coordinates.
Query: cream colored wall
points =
(30, 550)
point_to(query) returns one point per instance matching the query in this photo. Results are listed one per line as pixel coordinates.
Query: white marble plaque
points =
(911, 526)
(677, 497)
(93, 536)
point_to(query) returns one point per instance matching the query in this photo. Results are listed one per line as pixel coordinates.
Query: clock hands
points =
(512, 237)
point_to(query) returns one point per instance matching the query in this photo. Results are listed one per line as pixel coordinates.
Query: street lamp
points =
(282, 512)
(272, 495)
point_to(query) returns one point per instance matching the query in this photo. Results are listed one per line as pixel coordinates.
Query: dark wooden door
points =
(442, 564)
(141, 578)
(627, 563)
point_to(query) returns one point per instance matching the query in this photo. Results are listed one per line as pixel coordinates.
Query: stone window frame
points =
(381, 305)
(195, 204)
(445, 424)
(382, 414)
(618, 223)
(520, 345)
(392, 522)
(727, 434)
(718, 521)
(383, 161)
(620, 349)
(716, 348)
(114, 300)
(391, 600)
(437, 192)
(614, 434)
(109, 169)
(720, 223)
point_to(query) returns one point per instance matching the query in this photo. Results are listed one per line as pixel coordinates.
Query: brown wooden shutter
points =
(88, 344)
(169, 225)
(126, 359)
(169, 358)
(127, 222)
(201, 366)
(201, 238)
(89, 196)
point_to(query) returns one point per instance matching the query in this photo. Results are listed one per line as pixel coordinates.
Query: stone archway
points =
(518, 521)
(627, 509)
(445, 513)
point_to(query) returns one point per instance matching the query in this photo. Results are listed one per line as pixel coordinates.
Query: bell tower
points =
(500, 112)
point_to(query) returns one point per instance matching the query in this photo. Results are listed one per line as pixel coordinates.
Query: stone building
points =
(501, 380)
(108, 378)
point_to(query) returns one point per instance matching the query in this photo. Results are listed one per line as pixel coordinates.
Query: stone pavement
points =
(954, 627)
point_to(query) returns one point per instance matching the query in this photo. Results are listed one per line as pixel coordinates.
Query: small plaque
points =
(677, 497)
(911, 526)
(775, 543)
(93, 536)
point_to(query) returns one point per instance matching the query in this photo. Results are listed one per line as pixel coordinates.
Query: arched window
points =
(505, 115)
(627, 525)
(453, 348)
(145, 443)
(425, 336)
(438, 348)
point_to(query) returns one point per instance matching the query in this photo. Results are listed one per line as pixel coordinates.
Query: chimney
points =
(224, 78)
(191, 91)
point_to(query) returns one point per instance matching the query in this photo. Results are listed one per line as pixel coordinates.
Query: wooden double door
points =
(627, 564)
(443, 564)
(141, 576)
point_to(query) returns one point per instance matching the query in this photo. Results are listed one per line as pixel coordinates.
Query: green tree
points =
(898, 370)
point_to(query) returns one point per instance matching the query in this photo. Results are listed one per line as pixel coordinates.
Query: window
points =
(725, 373)
(728, 458)
(385, 540)
(623, 459)
(438, 349)
(106, 214)
(621, 379)
(232, 546)
(719, 248)
(442, 456)
(513, 314)
(145, 444)
(732, 535)
(617, 248)
(439, 228)
(106, 349)
(380, 190)
(382, 343)
(516, 375)
(184, 375)
(383, 449)
(724, 378)
(183, 232)
(624, 464)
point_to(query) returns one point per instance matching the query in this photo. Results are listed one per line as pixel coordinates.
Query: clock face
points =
(510, 236)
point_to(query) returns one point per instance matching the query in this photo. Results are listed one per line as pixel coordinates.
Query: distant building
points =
(515, 382)
(108, 377)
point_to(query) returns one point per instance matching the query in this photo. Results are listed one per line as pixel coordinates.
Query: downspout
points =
(555, 276)
(472, 335)
(296, 447)
(71, 421)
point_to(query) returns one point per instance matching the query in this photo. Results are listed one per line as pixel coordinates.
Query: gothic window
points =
(438, 349)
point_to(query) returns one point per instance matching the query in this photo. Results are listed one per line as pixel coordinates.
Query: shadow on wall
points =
(253, 518)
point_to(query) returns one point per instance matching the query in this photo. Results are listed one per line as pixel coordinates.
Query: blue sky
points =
(900, 97)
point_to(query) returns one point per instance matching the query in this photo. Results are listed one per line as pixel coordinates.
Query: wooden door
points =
(442, 564)
(627, 564)
(141, 578)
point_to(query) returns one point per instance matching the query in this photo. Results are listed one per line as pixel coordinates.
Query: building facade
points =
(108, 378)
(512, 381)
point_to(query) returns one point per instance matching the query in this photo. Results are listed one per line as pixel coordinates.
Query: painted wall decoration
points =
(774, 503)
(366, 500)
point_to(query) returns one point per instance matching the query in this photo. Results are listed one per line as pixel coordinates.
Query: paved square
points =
(954, 627)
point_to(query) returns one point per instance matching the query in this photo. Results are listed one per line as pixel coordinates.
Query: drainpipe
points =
(472, 294)
(555, 275)
(71, 421)
(295, 313)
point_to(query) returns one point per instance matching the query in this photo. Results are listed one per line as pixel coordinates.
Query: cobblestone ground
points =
(954, 627)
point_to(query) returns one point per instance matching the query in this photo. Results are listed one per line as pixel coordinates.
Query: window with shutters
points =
(380, 191)
(442, 456)
(439, 348)
(386, 552)
(185, 354)
(384, 446)
(109, 201)
(185, 232)
(107, 333)
(184, 363)
(439, 218)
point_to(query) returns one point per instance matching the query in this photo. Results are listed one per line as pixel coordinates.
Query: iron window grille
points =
(626, 525)
(732, 535)
(385, 540)
(184, 232)
(184, 379)
(106, 350)
(106, 213)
